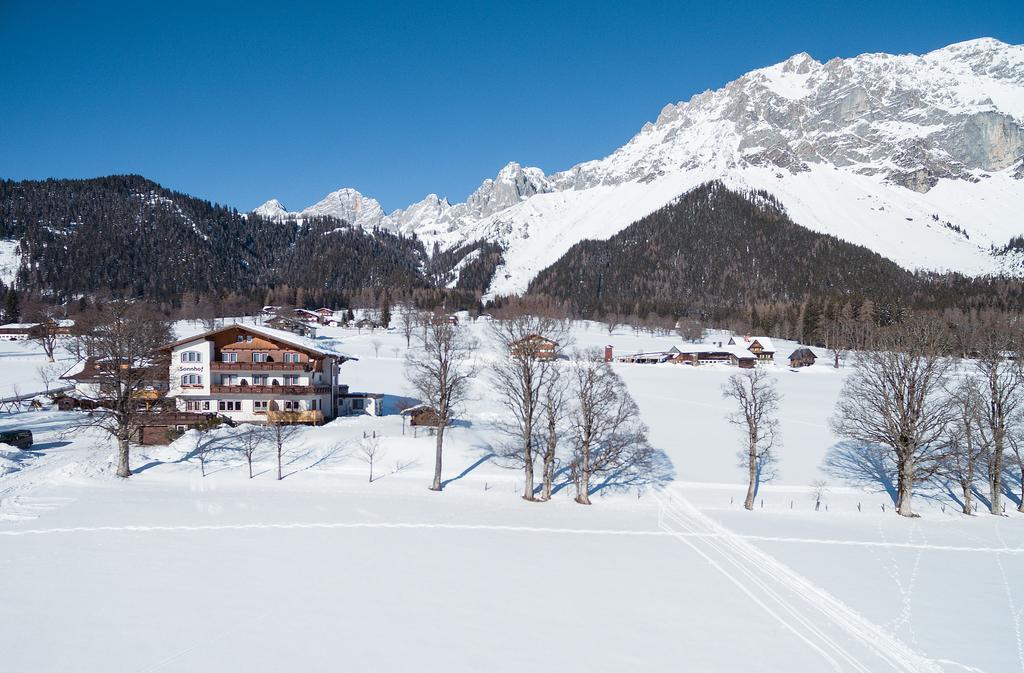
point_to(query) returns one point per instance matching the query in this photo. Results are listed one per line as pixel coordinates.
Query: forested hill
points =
(716, 249)
(130, 236)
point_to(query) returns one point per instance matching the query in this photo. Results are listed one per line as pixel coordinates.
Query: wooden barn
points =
(802, 357)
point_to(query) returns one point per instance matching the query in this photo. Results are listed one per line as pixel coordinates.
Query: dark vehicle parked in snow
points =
(21, 439)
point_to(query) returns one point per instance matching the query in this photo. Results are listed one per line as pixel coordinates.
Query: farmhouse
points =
(760, 346)
(706, 354)
(297, 327)
(21, 331)
(18, 331)
(802, 357)
(534, 346)
(254, 374)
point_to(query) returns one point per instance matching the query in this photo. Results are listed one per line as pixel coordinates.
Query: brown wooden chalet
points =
(802, 357)
(534, 346)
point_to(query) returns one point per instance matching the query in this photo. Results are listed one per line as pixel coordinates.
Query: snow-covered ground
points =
(323, 570)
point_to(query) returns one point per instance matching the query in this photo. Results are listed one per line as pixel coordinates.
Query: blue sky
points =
(240, 103)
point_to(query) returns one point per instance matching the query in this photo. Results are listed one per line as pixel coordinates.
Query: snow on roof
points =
(740, 352)
(19, 325)
(305, 343)
(745, 341)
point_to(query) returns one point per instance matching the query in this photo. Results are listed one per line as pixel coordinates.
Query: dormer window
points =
(243, 338)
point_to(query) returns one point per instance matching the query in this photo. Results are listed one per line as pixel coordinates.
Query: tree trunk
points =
(995, 476)
(548, 474)
(528, 474)
(279, 477)
(248, 459)
(583, 487)
(967, 498)
(905, 488)
(122, 458)
(436, 485)
(748, 503)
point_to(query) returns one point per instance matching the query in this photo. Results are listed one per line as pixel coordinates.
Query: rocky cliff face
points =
(874, 149)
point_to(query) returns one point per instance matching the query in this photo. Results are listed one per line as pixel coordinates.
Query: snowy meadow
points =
(333, 567)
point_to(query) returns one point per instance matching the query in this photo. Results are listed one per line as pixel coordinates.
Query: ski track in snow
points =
(722, 534)
(792, 600)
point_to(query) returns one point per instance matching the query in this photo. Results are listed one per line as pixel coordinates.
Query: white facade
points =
(244, 385)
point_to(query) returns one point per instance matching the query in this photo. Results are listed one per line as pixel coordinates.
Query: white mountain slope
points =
(920, 158)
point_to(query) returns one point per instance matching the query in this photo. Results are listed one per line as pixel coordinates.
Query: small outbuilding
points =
(423, 415)
(802, 357)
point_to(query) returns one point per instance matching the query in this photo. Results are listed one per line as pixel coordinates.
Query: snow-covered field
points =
(172, 571)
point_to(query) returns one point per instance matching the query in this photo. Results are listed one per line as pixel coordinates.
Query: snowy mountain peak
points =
(272, 209)
(920, 158)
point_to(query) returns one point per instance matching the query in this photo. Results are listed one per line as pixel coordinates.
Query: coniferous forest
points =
(714, 255)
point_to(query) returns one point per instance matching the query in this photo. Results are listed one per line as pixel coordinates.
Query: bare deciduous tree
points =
(528, 350)
(757, 402)
(893, 399)
(819, 488)
(408, 320)
(441, 371)
(1015, 440)
(281, 433)
(203, 445)
(376, 343)
(965, 443)
(250, 439)
(555, 406)
(371, 452)
(606, 431)
(123, 337)
(1001, 389)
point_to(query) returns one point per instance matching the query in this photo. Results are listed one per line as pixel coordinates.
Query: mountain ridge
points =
(894, 152)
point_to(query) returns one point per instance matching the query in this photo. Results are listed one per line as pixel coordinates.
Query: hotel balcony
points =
(218, 366)
(216, 389)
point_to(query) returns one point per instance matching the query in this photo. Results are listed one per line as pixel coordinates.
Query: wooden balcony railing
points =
(261, 366)
(295, 417)
(269, 390)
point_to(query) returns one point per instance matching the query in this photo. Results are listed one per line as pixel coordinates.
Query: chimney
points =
(607, 353)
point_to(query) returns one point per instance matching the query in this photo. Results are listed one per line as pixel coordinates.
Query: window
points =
(191, 380)
(259, 357)
(228, 379)
(259, 380)
(291, 357)
(291, 405)
(291, 379)
(260, 406)
(243, 338)
(191, 356)
(229, 357)
(229, 405)
(358, 403)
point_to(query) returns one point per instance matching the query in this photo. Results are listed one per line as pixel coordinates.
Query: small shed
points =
(422, 414)
(802, 357)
